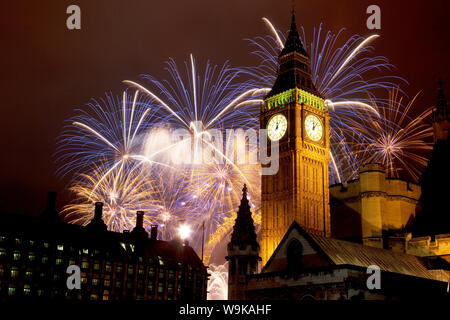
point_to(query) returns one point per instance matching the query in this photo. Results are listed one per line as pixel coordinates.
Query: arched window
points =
(294, 254)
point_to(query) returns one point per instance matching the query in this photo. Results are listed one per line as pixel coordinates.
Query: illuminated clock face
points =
(313, 127)
(277, 126)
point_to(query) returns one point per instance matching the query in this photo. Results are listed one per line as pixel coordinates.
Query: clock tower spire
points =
(294, 114)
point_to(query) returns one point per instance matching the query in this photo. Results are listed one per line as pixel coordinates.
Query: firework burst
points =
(131, 162)
(123, 192)
(200, 103)
(396, 140)
(342, 75)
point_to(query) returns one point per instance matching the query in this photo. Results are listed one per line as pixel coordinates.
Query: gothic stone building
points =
(301, 256)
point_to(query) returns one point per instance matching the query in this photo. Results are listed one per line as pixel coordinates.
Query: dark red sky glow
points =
(48, 71)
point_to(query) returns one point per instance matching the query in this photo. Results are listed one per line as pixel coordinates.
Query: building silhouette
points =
(243, 250)
(434, 215)
(36, 251)
(311, 251)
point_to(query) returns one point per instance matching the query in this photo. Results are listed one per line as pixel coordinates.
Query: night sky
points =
(48, 71)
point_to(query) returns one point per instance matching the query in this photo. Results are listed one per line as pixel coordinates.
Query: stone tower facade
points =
(296, 116)
(243, 251)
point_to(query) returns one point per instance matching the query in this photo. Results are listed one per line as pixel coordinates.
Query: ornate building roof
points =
(293, 42)
(294, 66)
(244, 230)
(321, 252)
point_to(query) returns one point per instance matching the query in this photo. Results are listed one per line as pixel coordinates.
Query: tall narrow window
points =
(294, 254)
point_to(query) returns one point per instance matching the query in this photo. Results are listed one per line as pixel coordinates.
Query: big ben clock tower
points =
(296, 116)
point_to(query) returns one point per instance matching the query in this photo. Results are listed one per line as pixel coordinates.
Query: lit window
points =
(18, 241)
(40, 292)
(60, 247)
(2, 252)
(108, 267)
(141, 271)
(119, 268)
(31, 242)
(46, 244)
(44, 259)
(106, 283)
(16, 255)
(170, 288)
(151, 272)
(59, 261)
(94, 297)
(118, 284)
(96, 266)
(94, 282)
(160, 288)
(2, 238)
(29, 274)
(105, 295)
(11, 291)
(85, 251)
(130, 270)
(26, 290)
(31, 256)
(161, 274)
(83, 280)
(72, 261)
(14, 272)
(84, 264)
(171, 274)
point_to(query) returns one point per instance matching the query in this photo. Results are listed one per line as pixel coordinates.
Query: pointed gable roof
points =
(329, 251)
(293, 42)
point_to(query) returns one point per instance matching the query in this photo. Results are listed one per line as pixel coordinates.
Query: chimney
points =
(50, 212)
(139, 230)
(140, 219)
(51, 201)
(98, 211)
(97, 222)
(154, 232)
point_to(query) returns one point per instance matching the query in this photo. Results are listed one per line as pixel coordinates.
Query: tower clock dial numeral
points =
(313, 127)
(277, 126)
